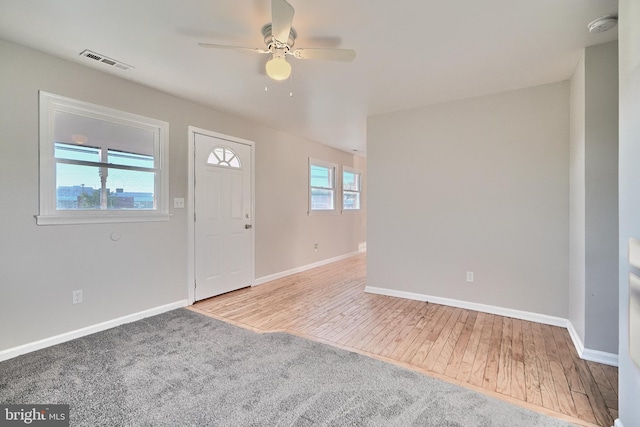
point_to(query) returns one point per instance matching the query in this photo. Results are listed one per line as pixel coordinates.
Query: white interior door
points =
(223, 216)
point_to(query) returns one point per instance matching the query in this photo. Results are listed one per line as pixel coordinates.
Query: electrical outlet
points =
(469, 276)
(77, 296)
(315, 247)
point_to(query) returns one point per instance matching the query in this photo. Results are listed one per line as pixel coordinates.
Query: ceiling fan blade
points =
(281, 20)
(345, 55)
(245, 49)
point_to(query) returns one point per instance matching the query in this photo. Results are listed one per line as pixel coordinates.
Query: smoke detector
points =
(602, 24)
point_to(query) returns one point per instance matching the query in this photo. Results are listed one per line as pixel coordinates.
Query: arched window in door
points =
(223, 156)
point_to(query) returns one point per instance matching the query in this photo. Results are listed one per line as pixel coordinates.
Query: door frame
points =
(191, 175)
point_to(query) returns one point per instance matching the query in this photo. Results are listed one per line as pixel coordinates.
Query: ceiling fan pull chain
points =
(291, 86)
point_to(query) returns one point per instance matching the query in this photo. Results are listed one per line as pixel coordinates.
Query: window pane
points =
(130, 189)
(219, 153)
(74, 129)
(351, 181)
(76, 152)
(129, 159)
(321, 176)
(321, 199)
(230, 158)
(350, 200)
(77, 187)
(213, 159)
(234, 162)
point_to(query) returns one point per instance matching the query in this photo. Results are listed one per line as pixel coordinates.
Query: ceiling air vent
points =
(105, 60)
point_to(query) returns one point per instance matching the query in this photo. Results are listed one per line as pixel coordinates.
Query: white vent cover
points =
(105, 60)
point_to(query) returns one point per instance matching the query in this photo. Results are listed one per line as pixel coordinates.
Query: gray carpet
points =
(184, 369)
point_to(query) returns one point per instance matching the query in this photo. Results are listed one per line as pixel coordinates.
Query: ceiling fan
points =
(279, 36)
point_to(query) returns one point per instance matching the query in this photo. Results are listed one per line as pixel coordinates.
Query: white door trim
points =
(191, 171)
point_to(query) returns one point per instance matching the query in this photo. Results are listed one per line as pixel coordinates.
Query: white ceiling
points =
(410, 53)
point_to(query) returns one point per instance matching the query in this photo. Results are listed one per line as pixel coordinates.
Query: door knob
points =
(248, 226)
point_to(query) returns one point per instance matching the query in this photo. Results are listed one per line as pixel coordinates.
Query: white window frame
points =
(359, 191)
(48, 212)
(334, 167)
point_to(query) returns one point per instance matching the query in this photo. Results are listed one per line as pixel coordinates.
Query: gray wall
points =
(629, 193)
(147, 267)
(476, 185)
(601, 198)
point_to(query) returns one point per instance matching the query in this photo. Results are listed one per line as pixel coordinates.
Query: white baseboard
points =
(575, 337)
(492, 309)
(589, 354)
(600, 357)
(271, 277)
(584, 353)
(68, 336)
(617, 423)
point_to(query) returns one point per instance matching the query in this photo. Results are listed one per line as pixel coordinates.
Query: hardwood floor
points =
(526, 363)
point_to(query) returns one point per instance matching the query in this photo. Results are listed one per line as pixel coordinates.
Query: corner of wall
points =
(577, 216)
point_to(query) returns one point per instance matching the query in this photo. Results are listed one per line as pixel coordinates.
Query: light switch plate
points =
(178, 203)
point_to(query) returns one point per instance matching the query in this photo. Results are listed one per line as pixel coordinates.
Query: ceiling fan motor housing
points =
(272, 43)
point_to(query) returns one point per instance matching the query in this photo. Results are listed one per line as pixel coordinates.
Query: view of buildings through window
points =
(85, 181)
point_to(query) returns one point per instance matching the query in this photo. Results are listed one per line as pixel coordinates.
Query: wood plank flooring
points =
(526, 363)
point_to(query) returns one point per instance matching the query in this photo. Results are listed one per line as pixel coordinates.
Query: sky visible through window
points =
(70, 175)
(320, 176)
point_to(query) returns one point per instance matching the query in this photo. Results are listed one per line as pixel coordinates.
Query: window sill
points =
(99, 219)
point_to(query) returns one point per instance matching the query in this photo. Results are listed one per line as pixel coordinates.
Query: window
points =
(100, 165)
(321, 186)
(223, 156)
(351, 186)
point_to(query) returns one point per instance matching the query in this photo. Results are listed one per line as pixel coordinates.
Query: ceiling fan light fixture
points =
(278, 68)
